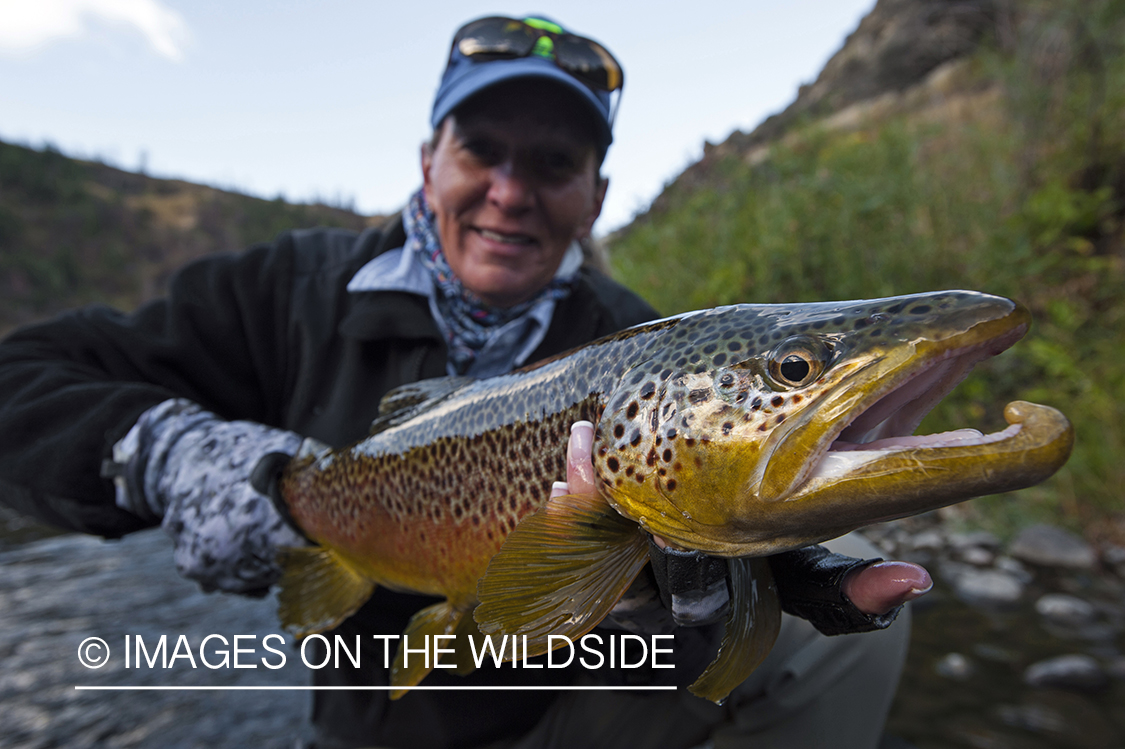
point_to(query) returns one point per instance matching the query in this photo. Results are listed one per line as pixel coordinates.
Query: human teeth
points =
(506, 238)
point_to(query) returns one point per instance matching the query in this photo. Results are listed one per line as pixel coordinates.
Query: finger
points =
(884, 585)
(579, 465)
(559, 489)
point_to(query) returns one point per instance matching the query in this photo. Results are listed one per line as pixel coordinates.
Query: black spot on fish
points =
(613, 464)
(921, 309)
(710, 348)
(648, 390)
(719, 360)
(780, 418)
(672, 434)
(671, 484)
(619, 431)
(776, 401)
(727, 427)
(756, 404)
(628, 470)
(636, 438)
(631, 412)
(667, 456)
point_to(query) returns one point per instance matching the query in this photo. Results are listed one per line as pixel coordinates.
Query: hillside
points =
(74, 232)
(991, 157)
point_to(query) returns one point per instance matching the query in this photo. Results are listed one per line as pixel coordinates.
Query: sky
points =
(331, 100)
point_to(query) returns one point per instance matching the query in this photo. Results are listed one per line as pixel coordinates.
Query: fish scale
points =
(714, 430)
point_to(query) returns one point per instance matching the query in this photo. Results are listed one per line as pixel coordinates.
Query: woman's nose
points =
(510, 190)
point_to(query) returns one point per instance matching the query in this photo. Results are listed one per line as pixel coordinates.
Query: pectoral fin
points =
(318, 590)
(441, 619)
(751, 629)
(560, 571)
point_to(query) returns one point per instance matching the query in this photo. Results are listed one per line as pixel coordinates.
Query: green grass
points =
(1025, 199)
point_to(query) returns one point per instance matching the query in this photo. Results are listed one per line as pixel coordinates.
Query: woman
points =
(112, 423)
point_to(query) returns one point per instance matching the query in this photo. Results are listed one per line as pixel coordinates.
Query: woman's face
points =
(512, 184)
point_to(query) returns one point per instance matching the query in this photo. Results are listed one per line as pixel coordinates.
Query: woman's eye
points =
(483, 149)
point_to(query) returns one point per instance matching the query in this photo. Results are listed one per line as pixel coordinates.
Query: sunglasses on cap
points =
(499, 38)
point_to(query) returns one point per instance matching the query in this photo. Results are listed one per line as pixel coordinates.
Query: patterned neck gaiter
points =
(469, 321)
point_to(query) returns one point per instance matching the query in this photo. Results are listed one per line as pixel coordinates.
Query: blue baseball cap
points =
(464, 77)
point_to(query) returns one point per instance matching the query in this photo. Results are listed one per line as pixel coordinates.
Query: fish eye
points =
(798, 361)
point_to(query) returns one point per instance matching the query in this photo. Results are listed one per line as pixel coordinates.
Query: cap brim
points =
(483, 75)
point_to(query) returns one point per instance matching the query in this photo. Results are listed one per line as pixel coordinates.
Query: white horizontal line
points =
(484, 688)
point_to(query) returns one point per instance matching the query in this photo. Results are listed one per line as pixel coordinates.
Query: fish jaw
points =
(885, 390)
(762, 472)
(894, 478)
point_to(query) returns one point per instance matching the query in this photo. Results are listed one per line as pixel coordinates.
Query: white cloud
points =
(26, 25)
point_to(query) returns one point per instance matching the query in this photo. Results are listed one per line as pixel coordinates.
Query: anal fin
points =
(318, 590)
(560, 571)
(441, 619)
(751, 629)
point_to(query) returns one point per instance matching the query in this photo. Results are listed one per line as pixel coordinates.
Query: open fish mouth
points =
(887, 424)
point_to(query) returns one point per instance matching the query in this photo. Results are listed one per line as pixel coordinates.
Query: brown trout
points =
(740, 431)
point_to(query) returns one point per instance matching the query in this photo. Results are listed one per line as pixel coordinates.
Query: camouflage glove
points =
(192, 470)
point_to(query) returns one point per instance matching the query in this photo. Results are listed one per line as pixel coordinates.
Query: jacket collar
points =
(386, 315)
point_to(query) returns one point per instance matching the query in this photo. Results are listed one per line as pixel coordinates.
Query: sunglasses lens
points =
(589, 62)
(499, 37)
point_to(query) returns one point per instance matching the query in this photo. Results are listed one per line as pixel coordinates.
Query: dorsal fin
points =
(411, 399)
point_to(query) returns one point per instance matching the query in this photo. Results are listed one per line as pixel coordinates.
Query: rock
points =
(1048, 546)
(1079, 672)
(978, 539)
(1114, 558)
(988, 588)
(928, 540)
(1013, 567)
(976, 556)
(955, 666)
(1064, 609)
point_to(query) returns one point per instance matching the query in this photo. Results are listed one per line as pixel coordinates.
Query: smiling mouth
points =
(495, 236)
